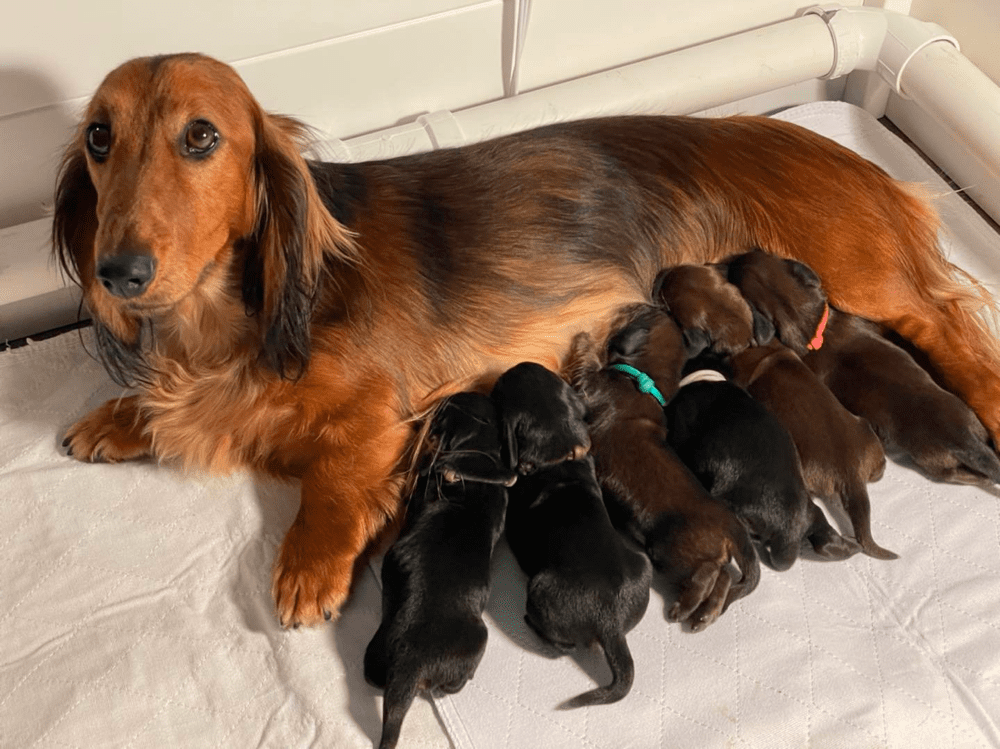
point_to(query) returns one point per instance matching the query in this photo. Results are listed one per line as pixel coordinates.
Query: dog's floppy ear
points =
(292, 241)
(74, 219)
(74, 228)
(510, 444)
(763, 328)
(695, 340)
(803, 273)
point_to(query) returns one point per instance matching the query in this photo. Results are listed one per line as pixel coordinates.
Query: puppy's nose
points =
(126, 276)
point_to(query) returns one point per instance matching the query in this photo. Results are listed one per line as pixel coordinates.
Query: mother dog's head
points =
(180, 200)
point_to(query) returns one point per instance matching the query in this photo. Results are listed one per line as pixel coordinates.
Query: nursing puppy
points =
(435, 578)
(541, 418)
(871, 376)
(689, 536)
(733, 444)
(839, 452)
(585, 584)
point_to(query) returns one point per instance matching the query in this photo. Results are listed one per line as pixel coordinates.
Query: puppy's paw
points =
(702, 597)
(308, 589)
(109, 434)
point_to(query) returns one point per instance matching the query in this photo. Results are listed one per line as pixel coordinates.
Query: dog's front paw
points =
(109, 434)
(309, 585)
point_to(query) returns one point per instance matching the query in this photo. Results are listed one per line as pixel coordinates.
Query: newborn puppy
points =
(737, 448)
(746, 458)
(689, 536)
(869, 375)
(435, 578)
(838, 451)
(541, 417)
(585, 584)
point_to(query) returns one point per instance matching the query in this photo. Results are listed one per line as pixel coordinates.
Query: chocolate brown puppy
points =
(435, 578)
(838, 451)
(873, 377)
(689, 536)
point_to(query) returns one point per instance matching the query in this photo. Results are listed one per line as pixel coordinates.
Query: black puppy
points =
(746, 458)
(733, 444)
(435, 578)
(585, 584)
(542, 418)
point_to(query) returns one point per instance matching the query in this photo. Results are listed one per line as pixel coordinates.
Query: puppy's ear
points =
(696, 340)
(629, 340)
(658, 288)
(803, 274)
(510, 445)
(763, 328)
(293, 238)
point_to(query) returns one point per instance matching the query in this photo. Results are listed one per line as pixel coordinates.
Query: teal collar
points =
(643, 380)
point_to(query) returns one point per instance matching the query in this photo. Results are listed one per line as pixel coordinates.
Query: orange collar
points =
(817, 342)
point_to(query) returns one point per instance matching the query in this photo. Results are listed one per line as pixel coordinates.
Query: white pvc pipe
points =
(960, 98)
(681, 82)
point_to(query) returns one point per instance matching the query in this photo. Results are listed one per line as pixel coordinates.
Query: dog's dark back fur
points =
(688, 535)
(745, 458)
(435, 578)
(542, 418)
(873, 377)
(586, 584)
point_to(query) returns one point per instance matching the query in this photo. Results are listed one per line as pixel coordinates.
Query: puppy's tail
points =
(859, 509)
(748, 562)
(399, 695)
(622, 673)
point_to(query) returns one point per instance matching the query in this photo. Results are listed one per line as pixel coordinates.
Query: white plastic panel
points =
(52, 51)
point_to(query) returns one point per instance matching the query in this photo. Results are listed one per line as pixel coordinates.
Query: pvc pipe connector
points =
(876, 40)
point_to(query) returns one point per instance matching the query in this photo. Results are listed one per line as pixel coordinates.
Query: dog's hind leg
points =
(825, 540)
(857, 505)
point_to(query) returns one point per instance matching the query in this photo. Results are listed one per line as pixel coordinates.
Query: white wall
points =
(345, 66)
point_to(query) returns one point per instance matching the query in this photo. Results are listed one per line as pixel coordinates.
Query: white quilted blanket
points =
(134, 605)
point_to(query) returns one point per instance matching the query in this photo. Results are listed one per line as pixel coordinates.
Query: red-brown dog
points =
(295, 317)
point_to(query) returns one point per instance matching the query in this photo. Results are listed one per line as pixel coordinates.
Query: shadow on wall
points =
(31, 143)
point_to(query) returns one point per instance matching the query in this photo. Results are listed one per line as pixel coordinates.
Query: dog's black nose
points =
(126, 276)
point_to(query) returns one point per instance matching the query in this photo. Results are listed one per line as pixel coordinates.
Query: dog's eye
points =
(200, 137)
(98, 141)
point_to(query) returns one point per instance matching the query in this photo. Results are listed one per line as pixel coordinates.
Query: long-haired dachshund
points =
(690, 536)
(873, 377)
(586, 584)
(294, 317)
(435, 578)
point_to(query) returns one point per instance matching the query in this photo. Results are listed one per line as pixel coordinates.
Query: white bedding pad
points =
(135, 606)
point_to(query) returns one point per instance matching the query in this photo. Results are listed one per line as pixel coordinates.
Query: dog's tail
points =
(399, 695)
(858, 506)
(622, 672)
(746, 559)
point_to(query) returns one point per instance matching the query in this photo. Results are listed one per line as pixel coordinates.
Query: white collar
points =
(702, 375)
